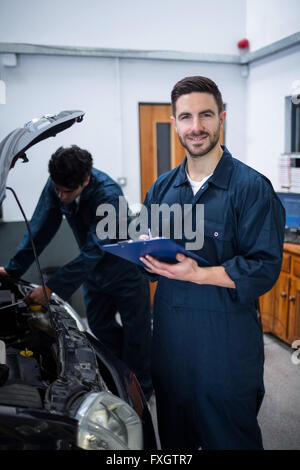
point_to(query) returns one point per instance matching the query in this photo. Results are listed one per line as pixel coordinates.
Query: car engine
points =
(45, 360)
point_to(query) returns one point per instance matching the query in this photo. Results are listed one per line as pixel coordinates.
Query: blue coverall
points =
(208, 352)
(111, 284)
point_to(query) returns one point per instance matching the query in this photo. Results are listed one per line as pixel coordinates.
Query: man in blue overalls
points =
(208, 352)
(111, 284)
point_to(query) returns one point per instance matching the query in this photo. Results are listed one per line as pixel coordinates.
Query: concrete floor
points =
(279, 416)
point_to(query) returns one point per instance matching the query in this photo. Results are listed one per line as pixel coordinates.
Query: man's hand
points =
(3, 272)
(36, 296)
(185, 270)
(188, 270)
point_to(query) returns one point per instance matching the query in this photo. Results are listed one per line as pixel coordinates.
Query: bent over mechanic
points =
(75, 190)
(208, 353)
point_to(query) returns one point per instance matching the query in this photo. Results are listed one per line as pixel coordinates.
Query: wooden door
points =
(294, 311)
(160, 149)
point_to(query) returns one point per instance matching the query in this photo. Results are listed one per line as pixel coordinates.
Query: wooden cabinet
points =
(280, 307)
(294, 311)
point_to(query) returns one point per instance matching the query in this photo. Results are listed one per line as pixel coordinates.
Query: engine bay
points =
(45, 360)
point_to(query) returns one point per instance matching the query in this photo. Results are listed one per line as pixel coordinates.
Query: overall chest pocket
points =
(219, 241)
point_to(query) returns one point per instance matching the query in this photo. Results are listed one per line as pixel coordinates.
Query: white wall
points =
(270, 80)
(40, 85)
(153, 83)
(110, 129)
(193, 25)
(271, 20)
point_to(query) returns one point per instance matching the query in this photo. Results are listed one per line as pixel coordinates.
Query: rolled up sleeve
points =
(69, 277)
(260, 229)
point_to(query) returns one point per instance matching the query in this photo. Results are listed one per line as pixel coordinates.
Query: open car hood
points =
(15, 144)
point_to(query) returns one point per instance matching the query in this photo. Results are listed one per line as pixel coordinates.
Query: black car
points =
(59, 387)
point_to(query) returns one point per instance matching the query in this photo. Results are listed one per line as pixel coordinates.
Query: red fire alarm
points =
(243, 44)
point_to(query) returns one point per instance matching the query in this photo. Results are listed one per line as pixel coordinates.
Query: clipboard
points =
(161, 248)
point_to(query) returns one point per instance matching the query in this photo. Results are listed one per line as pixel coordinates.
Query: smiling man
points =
(75, 190)
(198, 123)
(208, 350)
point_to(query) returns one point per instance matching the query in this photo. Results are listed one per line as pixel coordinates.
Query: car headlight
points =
(105, 422)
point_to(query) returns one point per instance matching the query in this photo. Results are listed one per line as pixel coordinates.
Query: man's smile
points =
(198, 138)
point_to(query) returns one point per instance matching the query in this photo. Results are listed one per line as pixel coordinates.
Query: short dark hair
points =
(70, 167)
(198, 84)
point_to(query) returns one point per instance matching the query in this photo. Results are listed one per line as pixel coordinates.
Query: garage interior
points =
(112, 66)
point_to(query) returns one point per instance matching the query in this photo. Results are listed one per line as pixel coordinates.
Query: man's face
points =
(198, 123)
(69, 195)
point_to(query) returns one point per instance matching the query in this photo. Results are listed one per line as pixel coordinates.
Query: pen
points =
(149, 233)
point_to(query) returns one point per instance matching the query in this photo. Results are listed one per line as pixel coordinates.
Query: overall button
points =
(216, 234)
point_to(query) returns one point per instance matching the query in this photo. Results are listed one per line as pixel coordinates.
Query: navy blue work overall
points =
(111, 284)
(208, 353)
